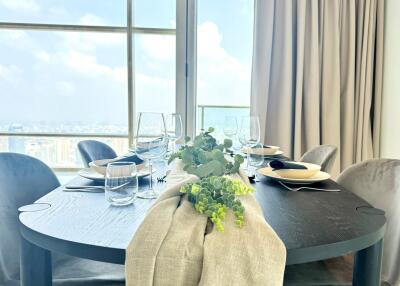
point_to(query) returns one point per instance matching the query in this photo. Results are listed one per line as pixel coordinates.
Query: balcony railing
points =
(216, 114)
(59, 149)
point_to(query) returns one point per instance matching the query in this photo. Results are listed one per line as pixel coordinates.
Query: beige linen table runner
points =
(174, 246)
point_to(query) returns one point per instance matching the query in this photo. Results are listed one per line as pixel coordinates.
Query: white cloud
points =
(87, 65)
(222, 78)
(91, 19)
(90, 41)
(154, 93)
(65, 88)
(42, 55)
(158, 47)
(21, 5)
(9, 73)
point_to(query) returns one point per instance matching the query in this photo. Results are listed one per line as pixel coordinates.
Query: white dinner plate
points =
(318, 177)
(90, 174)
(277, 153)
(261, 150)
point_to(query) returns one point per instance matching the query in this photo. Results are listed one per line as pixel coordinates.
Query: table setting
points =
(177, 212)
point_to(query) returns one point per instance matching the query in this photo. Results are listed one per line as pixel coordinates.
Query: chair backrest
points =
(378, 182)
(323, 155)
(23, 180)
(92, 150)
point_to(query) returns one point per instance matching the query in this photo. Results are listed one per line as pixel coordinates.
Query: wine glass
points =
(174, 127)
(231, 129)
(249, 134)
(230, 126)
(151, 142)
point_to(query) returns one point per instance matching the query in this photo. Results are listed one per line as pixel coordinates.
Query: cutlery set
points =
(90, 189)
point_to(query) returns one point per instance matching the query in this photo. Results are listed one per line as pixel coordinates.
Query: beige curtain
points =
(317, 75)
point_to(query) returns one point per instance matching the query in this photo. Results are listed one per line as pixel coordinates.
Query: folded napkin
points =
(132, 158)
(176, 246)
(278, 165)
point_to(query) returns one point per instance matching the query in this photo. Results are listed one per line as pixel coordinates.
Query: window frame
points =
(182, 64)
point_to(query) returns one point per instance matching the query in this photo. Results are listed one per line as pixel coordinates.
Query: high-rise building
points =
(16, 144)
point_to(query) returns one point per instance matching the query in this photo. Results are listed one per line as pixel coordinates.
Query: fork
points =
(307, 188)
(91, 189)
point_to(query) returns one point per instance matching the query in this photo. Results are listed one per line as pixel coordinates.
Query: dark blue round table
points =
(313, 226)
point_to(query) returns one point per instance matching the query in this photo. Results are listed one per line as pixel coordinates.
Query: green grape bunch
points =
(213, 196)
(205, 157)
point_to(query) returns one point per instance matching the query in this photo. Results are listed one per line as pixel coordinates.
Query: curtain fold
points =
(317, 75)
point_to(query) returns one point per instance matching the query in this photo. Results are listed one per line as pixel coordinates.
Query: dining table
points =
(314, 225)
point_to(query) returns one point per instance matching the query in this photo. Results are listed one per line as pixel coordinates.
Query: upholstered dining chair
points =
(378, 182)
(91, 150)
(23, 180)
(323, 155)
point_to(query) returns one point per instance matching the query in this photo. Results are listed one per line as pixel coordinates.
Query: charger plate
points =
(318, 177)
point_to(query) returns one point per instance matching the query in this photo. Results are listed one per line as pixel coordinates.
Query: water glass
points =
(255, 160)
(249, 134)
(121, 185)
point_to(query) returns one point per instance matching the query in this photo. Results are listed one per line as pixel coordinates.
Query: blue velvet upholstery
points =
(91, 150)
(23, 180)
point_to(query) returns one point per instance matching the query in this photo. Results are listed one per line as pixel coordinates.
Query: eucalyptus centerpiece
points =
(215, 192)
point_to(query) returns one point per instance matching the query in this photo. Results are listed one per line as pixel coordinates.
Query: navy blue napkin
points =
(278, 165)
(132, 158)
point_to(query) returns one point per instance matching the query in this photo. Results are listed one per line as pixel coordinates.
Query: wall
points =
(390, 140)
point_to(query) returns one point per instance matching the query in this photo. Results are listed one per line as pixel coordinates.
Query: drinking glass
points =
(230, 126)
(255, 160)
(121, 185)
(231, 130)
(249, 134)
(151, 142)
(174, 127)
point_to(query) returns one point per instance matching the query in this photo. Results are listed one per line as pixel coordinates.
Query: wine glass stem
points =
(151, 175)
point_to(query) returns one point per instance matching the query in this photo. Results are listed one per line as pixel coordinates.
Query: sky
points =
(67, 77)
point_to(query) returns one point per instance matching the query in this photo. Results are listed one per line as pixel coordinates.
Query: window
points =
(65, 77)
(82, 69)
(224, 54)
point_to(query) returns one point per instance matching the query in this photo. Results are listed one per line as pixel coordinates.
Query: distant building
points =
(16, 144)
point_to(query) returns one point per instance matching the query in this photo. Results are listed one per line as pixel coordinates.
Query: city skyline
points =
(76, 82)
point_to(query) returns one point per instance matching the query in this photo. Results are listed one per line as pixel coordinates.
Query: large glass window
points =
(155, 73)
(71, 12)
(64, 73)
(224, 54)
(67, 71)
(63, 82)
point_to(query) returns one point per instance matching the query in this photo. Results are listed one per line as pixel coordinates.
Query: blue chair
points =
(23, 180)
(92, 150)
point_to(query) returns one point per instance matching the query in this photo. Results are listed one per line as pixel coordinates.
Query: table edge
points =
(82, 250)
(340, 248)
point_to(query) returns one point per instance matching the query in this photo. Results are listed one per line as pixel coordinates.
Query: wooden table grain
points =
(313, 226)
